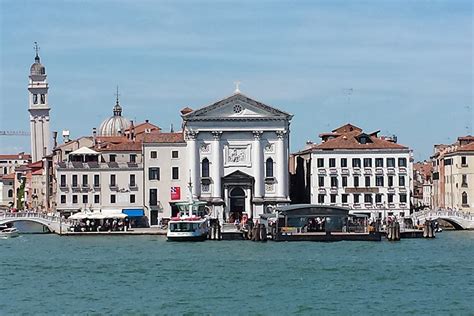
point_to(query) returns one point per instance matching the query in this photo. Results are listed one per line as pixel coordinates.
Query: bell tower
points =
(39, 109)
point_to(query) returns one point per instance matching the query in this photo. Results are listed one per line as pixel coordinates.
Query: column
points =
(258, 164)
(193, 156)
(33, 138)
(217, 164)
(281, 165)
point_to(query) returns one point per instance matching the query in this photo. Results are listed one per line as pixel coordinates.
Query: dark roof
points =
(311, 210)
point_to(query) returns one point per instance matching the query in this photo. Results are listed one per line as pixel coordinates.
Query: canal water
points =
(48, 274)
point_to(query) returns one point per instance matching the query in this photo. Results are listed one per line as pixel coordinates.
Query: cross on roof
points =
(237, 84)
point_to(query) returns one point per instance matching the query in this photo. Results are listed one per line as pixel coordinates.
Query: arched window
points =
(464, 198)
(269, 168)
(10, 193)
(205, 168)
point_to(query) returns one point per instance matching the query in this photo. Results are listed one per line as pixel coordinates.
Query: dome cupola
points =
(116, 124)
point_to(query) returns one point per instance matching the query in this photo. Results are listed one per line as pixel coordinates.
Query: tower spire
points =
(117, 107)
(37, 48)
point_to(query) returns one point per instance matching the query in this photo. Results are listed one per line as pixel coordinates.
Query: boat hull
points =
(187, 238)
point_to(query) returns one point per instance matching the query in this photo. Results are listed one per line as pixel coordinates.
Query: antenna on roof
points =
(171, 128)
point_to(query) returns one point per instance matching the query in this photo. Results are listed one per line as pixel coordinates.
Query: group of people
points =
(316, 224)
(108, 224)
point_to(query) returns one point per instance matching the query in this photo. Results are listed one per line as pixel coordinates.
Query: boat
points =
(9, 233)
(192, 222)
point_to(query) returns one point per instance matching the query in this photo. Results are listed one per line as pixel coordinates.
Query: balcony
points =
(96, 187)
(64, 188)
(391, 205)
(379, 205)
(333, 189)
(322, 171)
(322, 191)
(379, 170)
(333, 171)
(357, 171)
(402, 170)
(85, 187)
(345, 171)
(133, 187)
(75, 188)
(367, 170)
(391, 170)
(368, 205)
(403, 190)
(113, 187)
(356, 205)
(391, 190)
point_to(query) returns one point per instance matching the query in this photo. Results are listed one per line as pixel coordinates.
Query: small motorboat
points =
(9, 233)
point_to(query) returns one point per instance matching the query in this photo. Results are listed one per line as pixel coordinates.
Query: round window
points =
(238, 108)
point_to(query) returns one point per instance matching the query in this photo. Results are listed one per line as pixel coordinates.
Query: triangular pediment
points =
(238, 175)
(236, 107)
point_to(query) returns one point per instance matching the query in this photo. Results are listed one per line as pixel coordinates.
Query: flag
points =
(175, 193)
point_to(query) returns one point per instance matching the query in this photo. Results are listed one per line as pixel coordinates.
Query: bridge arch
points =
(455, 224)
(31, 220)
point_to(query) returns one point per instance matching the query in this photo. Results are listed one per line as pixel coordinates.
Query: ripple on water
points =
(146, 275)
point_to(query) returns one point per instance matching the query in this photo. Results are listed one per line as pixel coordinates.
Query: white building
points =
(237, 153)
(110, 180)
(39, 111)
(166, 174)
(350, 168)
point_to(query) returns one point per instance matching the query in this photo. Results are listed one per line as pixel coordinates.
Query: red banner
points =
(175, 193)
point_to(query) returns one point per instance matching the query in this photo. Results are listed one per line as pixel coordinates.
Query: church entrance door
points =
(237, 204)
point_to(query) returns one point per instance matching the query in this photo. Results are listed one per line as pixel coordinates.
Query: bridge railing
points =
(444, 213)
(46, 217)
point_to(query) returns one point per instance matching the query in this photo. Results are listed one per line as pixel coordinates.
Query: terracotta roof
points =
(37, 164)
(425, 168)
(186, 110)
(112, 139)
(126, 146)
(468, 147)
(177, 137)
(10, 176)
(143, 127)
(347, 128)
(37, 172)
(348, 137)
(20, 156)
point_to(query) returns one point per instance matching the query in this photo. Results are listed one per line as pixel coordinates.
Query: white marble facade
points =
(237, 152)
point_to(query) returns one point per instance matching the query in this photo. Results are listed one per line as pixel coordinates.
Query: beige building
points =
(107, 180)
(166, 176)
(458, 162)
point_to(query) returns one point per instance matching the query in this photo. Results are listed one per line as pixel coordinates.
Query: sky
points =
(402, 67)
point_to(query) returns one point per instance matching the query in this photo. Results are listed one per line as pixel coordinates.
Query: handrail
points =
(447, 213)
(50, 218)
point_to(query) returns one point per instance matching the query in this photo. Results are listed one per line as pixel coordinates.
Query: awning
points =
(133, 212)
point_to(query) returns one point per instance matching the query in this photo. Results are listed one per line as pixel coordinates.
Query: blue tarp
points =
(136, 212)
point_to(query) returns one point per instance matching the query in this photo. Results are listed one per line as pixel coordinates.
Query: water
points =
(48, 274)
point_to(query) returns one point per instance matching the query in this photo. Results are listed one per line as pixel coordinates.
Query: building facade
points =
(454, 174)
(349, 168)
(106, 180)
(166, 174)
(237, 153)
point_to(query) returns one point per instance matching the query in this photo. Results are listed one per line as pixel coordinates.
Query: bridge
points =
(460, 220)
(54, 223)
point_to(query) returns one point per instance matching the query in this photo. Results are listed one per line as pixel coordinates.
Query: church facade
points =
(237, 154)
